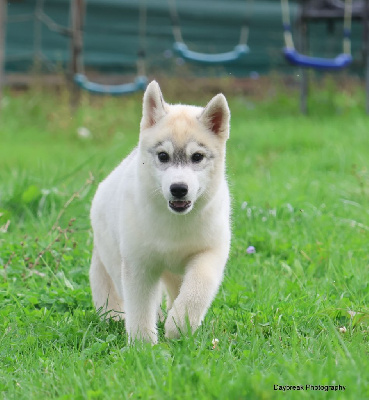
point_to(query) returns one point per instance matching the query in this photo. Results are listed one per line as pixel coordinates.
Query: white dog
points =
(163, 216)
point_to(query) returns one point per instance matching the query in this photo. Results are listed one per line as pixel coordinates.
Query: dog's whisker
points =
(156, 192)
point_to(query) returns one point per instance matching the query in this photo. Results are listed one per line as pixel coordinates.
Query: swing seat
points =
(341, 61)
(139, 84)
(219, 58)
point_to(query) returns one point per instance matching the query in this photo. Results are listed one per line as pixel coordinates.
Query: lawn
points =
(295, 312)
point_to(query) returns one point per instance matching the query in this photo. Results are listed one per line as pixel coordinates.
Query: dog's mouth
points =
(179, 205)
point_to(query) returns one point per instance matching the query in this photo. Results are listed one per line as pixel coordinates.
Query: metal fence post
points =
(77, 11)
(3, 15)
(366, 51)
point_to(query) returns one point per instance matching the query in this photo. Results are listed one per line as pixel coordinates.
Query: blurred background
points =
(112, 41)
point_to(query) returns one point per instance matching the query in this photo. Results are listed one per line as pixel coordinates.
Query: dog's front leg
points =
(202, 279)
(141, 301)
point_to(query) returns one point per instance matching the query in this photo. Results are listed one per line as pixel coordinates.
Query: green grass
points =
(300, 188)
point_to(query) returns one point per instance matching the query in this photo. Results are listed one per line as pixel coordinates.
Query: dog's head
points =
(182, 149)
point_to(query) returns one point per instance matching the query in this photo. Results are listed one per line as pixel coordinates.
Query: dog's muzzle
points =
(178, 191)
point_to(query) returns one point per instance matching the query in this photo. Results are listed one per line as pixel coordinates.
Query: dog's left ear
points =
(216, 116)
(154, 107)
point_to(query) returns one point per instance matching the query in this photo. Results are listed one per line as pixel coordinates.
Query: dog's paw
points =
(173, 327)
(148, 336)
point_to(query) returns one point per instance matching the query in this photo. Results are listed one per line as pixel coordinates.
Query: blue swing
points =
(219, 58)
(295, 58)
(205, 58)
(139, 84)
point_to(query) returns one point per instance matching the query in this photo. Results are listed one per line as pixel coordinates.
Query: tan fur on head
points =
(215, 116)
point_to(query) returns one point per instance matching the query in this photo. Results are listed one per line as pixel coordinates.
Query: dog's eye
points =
(163, 157)
(197, 157)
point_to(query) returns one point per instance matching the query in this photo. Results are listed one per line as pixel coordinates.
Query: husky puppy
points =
(163, 217)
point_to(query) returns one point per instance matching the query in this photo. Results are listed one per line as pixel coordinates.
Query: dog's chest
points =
(177, 246)
(170, 249)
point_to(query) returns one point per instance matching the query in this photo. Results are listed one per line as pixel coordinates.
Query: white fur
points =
(141, 243)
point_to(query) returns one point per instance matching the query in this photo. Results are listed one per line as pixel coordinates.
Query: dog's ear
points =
(154, 107)
(216, 116)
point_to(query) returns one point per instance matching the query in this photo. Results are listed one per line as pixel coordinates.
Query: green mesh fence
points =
(112, 36)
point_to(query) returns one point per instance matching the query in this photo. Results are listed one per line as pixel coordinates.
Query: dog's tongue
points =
(179, 203)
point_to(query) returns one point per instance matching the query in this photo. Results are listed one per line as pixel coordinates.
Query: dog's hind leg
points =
(104, 294)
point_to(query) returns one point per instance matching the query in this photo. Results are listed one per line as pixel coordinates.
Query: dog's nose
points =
(179, 190)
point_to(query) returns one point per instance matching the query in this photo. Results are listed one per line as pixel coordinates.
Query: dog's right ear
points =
(154, 107)
(216, 115)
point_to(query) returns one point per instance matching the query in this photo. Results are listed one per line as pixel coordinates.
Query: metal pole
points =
(366, 51)
(304, 91)
(37, 43)
(3, 14)
(77, 17)
(304, 84)
(77, 11)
